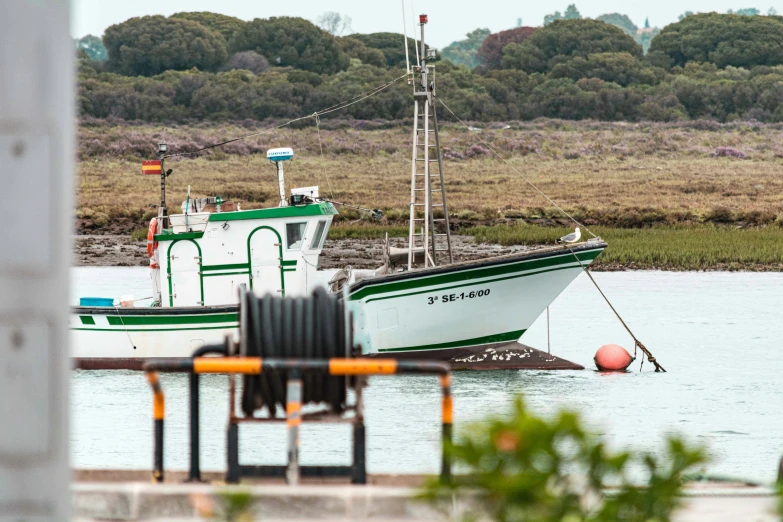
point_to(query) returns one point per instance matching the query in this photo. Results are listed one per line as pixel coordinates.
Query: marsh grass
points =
(678, 247)
(366, 231)
(620, 175)
(666, 248)
(139, 234)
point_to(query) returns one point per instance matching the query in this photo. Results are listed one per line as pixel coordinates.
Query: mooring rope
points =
(336, 107)
(125, 328)
(637, 342)
(321, 148)
(527, 180)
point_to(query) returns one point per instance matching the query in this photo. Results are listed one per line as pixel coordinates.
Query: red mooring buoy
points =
(612, 358)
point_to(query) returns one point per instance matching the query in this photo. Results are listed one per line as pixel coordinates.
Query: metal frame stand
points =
(358, 368)
(293, 470)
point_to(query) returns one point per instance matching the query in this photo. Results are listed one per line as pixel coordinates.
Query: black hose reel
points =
(314, 327)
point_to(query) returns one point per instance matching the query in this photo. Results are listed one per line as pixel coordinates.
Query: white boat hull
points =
(431, 311)
(470, 304)
(124, 338)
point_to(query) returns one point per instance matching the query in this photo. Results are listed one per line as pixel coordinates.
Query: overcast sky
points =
(449, 19)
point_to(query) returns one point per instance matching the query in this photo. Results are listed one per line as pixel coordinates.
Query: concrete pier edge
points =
(385, 498)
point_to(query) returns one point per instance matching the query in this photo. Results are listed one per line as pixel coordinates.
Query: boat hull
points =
(440, 313)
(466, 305)
(114, 338)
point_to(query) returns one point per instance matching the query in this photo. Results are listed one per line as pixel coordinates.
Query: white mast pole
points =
(281, 183)
(36, 152)
(405, 36)
(415, 45)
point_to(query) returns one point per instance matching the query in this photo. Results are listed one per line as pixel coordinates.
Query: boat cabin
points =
(271, 250)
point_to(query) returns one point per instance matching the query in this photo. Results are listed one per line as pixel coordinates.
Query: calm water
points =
(718, 334)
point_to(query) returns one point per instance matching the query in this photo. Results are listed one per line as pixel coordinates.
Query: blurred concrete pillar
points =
(36, 167)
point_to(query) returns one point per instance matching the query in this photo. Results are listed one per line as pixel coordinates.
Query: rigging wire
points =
(415, 45)
(637, 342)
(569, 216)
(321, 147)
(405, 38)
(336, 107)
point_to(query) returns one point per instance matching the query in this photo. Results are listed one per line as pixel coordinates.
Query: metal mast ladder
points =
(428, 234)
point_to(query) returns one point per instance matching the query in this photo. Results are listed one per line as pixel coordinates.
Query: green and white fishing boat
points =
(418, 302)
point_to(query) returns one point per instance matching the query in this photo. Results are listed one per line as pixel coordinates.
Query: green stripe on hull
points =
(152, 330)
(87, 319)
(169, 235)
(467, 276)
(234, 266)
(153, 320)
(429, 289)
(487, 339)
(241, 272)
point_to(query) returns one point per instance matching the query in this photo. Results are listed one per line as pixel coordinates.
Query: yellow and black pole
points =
(447, 410)
(293, 414)
(158, 414)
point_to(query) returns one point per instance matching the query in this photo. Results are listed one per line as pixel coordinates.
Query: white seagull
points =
(571, 238)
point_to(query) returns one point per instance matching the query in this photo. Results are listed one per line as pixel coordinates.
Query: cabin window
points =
(319, 232)
(294, 233)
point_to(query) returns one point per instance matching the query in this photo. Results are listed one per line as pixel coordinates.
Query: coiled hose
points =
(295, 328)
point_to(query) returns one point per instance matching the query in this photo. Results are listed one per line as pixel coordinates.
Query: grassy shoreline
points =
(678, 248)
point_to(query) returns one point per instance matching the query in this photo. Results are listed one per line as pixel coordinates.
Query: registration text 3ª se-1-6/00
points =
(450, 298)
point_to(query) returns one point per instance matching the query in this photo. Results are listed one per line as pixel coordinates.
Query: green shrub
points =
(139, 234)
(525, 468)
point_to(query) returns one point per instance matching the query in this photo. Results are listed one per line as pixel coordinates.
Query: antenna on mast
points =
(278, 156)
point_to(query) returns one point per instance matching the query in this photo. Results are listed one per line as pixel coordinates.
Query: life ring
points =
(152, 245)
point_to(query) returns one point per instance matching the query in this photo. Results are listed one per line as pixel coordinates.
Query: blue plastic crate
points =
(96, 301)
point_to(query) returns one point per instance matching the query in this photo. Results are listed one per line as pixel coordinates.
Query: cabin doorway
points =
(185, 269)
(266, 260)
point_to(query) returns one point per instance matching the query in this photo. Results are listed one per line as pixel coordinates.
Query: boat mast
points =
(429, 234)
(162, 210)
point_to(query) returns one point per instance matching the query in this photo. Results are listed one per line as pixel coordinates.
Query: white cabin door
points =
(185, 266)
(266, 253)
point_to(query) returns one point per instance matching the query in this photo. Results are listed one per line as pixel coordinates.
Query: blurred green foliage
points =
(93, 47)
(526, 468)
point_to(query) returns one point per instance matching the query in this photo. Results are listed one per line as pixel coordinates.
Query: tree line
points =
(207, 66)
